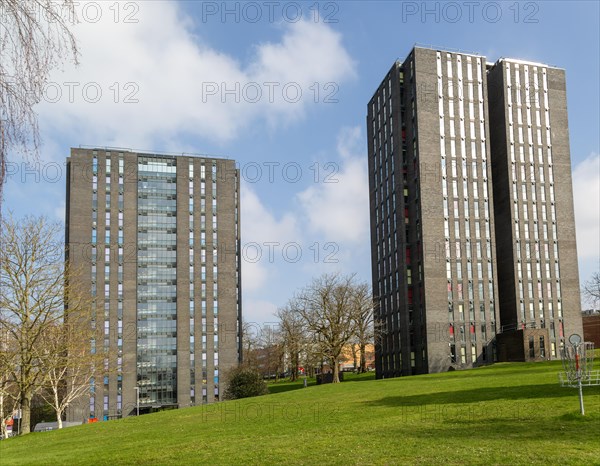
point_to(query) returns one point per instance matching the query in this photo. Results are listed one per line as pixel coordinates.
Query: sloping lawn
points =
(503, 414)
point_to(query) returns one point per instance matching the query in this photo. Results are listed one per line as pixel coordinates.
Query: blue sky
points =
(160, 68)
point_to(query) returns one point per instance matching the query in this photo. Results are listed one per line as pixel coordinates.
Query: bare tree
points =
(9, 399)
(362, 310)
(352, 350)
(591, 290)
(250, 343)
(33, 290)
(35, 37)
(327, 308)
(294, 337)
(271, 353)
(67, 358)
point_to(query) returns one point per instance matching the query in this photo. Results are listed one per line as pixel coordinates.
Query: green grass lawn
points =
(284, 385)
(502, 414)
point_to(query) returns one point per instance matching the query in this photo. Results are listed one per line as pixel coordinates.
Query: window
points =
(531, 348)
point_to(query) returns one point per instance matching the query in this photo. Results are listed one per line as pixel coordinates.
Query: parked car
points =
(46, 426)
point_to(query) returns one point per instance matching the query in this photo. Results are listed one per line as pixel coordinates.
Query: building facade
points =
(534, 213)
(156, 238)
(591, 327)
(435, 233)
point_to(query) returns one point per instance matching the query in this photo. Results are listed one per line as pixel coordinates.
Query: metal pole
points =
(579, 380)
(578, 369)
(581, 397)
(137, 401)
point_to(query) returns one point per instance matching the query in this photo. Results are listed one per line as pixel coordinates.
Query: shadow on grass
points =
(287, 386)
(516, 429)
(502, 369)
(520, 415)
(525, 392)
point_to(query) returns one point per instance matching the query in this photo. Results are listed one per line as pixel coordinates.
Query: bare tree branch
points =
(294, 338)
(47, 344)
(35, 37)
(329, 308)
(591, 290)
(363, 316)
(68, 361)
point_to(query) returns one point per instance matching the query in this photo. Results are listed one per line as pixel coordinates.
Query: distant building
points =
(350, 357)
(591, 327)
(157, 237)
(472, 228)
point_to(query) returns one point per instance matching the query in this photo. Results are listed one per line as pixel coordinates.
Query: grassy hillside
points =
(503, 414)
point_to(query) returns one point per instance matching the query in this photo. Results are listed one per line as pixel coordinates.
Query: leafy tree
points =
(244, 382)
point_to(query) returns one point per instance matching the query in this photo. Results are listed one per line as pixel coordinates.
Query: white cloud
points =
(258, 312)
(261, 228)
(586, 195)
(310, 56)
(328, 220)
(260, 224)
(339, 209)
(160, 62)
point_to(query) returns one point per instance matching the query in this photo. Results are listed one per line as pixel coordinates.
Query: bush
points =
(244, 382)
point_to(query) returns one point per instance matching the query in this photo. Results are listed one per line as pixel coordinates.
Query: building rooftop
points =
(152, 153)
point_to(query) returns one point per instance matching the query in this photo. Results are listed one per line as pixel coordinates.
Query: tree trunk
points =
(2, 423)
(296, 360)
(336, 371)
(25, 420)
(363, 358)
(58, 411)
(354, 362)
